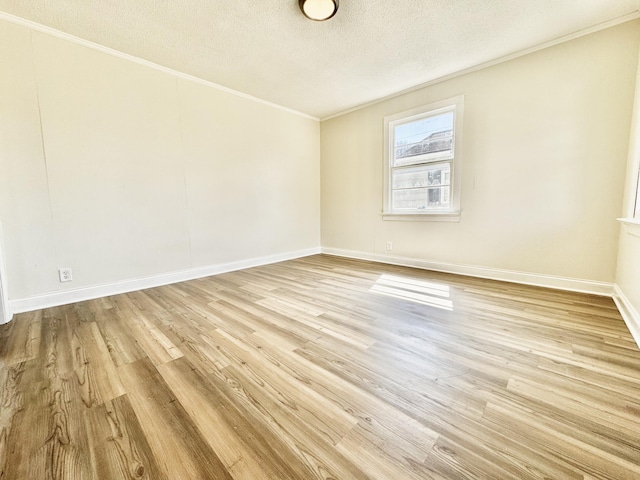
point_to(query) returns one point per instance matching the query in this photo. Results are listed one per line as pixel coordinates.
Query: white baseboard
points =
(549, 281)
(5, 308)
(629, 313)
(6, 314)
(65, 297)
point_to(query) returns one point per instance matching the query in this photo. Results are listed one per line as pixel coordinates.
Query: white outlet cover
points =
(65, 274)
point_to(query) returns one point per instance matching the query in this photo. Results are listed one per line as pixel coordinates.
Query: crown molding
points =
(520, 53)
(140, 61)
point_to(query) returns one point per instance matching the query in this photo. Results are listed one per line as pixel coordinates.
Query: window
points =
(422, 162)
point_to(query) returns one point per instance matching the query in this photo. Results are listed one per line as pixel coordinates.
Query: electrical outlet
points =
(65, 274)
(389, 246)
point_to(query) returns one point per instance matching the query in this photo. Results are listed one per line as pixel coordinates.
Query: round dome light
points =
(319, 10)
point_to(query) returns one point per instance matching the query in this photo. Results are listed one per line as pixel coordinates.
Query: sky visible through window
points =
(417, 131)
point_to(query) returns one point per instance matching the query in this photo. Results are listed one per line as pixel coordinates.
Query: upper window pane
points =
(428, 138)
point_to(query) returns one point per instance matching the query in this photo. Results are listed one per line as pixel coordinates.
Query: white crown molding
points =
(65, 297)
(538, 280)
(629, 313)
(521, 53)
(140, 61)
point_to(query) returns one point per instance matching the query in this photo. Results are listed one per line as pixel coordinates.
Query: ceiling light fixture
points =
(319, 10)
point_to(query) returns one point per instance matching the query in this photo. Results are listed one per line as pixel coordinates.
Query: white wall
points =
(544, 151)
(121, 171)
(628, 272)
(25, 211)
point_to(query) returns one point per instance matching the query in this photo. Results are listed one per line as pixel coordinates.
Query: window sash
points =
(431, 138)
(427, 187)
(445, 194)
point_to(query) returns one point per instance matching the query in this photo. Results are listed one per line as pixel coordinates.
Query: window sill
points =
(632, 226)
(423, 217)
(629, 221)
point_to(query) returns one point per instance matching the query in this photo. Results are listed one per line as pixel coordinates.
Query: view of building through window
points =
(429, 135)
(421, 187)
(419, 178)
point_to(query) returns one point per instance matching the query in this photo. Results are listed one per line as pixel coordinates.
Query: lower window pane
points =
(422, 176)
(423, 199)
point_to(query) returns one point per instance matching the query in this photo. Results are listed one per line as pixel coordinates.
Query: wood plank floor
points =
(322, 368)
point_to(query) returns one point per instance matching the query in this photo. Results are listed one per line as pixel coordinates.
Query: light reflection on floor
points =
(417, 291)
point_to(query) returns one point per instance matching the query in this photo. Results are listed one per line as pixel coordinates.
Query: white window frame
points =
(451, 214)
(636, 209)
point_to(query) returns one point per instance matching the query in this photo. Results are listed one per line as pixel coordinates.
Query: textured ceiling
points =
(369, 50)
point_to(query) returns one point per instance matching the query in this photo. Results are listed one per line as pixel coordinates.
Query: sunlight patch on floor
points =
(417, 291)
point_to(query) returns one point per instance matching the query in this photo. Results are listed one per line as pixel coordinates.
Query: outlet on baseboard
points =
(389, 245)
(65, 274)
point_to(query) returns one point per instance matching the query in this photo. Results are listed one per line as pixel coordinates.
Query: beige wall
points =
(25, 211)
(121, 171)
(544, 151)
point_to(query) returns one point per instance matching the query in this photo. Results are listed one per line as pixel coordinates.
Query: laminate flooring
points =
(322, 368)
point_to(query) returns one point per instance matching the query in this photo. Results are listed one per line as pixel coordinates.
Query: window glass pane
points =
(421, 198)
(424, 139)
(422, 176)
